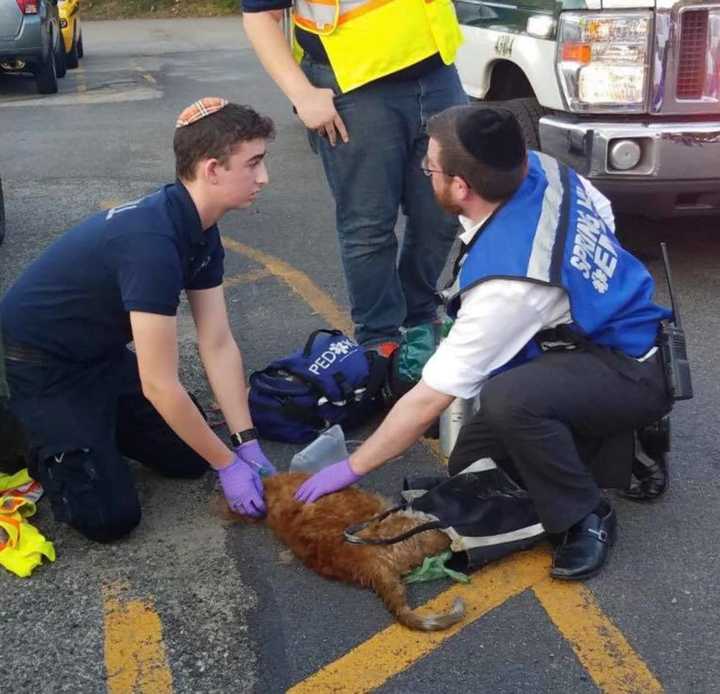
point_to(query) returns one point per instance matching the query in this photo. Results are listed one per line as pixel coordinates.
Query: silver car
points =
(30, 41)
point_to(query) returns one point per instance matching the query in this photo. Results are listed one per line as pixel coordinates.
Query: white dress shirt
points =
(497, 318)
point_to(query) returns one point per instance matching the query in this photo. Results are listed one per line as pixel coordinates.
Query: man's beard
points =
(444, 199)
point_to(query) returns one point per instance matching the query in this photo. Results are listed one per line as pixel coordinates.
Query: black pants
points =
(80, 422)
(532, 417)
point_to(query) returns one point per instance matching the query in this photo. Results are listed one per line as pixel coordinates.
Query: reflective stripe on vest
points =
(368, 39)
(538, 267)
(323, 16)
(550, 233)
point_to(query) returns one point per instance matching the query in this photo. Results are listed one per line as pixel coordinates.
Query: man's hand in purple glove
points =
(243, 488)
(252, 454)
(330, 479)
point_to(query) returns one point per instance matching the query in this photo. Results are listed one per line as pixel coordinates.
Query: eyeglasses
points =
(429, 172)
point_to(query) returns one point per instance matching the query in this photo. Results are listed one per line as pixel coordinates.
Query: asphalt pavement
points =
(186, 604)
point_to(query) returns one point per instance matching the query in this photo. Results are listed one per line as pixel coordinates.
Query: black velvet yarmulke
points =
(492, 136)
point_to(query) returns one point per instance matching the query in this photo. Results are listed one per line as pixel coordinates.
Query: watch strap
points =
(245, 436)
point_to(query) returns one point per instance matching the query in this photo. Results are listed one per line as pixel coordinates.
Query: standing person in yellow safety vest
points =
(372, 73)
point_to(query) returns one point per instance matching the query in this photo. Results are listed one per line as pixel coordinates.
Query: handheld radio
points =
(673, 345)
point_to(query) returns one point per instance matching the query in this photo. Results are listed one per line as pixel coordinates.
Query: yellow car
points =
(69, 11)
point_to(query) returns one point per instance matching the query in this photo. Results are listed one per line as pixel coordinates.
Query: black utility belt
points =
(27, 354)
(15, 351)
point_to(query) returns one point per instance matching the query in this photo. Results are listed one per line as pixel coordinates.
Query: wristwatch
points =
(241, 437)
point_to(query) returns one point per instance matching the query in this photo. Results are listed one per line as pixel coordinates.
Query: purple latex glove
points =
(243, 488)
(252, 454)
(330, 479)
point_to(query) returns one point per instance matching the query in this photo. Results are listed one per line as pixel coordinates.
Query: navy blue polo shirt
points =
(73, 301)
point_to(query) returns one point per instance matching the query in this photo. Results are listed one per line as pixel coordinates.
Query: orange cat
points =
(314, 534)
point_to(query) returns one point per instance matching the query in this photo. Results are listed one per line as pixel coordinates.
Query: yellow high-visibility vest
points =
(368, 39)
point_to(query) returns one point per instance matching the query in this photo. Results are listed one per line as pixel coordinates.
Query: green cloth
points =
(417, 346)
(434, 568)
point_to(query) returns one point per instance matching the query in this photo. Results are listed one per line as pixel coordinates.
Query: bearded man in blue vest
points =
(555, 329)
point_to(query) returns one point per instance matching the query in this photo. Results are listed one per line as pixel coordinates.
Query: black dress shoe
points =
(650, 475)
(585, 546)
(650, 478)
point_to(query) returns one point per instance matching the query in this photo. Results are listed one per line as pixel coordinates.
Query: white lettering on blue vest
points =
(593, 253)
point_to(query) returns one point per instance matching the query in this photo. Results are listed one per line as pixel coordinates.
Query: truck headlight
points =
(603, 60)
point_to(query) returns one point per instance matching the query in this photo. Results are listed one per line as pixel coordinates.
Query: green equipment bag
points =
(417, 345)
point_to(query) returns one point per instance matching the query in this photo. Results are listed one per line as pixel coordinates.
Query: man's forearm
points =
(224, 368)
(178, 410)
(405, 424)
(267, 38)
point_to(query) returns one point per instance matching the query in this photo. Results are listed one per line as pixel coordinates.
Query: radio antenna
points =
(668, 277)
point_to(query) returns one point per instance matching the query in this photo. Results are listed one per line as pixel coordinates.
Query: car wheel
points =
(60, 67)
(2, 215)
(80, 49)
(46, 76)
(72, 59)
(528, 113)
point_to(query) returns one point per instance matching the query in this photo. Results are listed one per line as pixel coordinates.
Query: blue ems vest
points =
(549, 232)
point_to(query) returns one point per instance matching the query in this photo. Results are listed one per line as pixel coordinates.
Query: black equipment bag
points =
(485, 514)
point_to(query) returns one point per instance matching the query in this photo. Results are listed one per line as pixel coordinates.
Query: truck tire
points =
(80, 48)
(528, 113)
(46, 76)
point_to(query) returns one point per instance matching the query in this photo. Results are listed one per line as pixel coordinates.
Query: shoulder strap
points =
(311, 339)
(351, 532)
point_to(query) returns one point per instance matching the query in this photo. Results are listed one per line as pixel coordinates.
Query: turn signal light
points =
(577, 52)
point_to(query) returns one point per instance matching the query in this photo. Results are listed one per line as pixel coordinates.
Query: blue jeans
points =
(374, 175)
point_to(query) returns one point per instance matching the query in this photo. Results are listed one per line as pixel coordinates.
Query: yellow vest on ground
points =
(22, 547)
(369, 39)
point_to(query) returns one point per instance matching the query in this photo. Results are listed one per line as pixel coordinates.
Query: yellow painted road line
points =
(145, 75)
(135, 657)
(299, 282)
(598, 644)
(246, 278)
(395, 649)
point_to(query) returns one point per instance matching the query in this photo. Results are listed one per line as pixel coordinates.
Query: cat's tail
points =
(391, 589)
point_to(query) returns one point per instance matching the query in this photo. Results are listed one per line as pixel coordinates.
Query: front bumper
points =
(678, 172)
